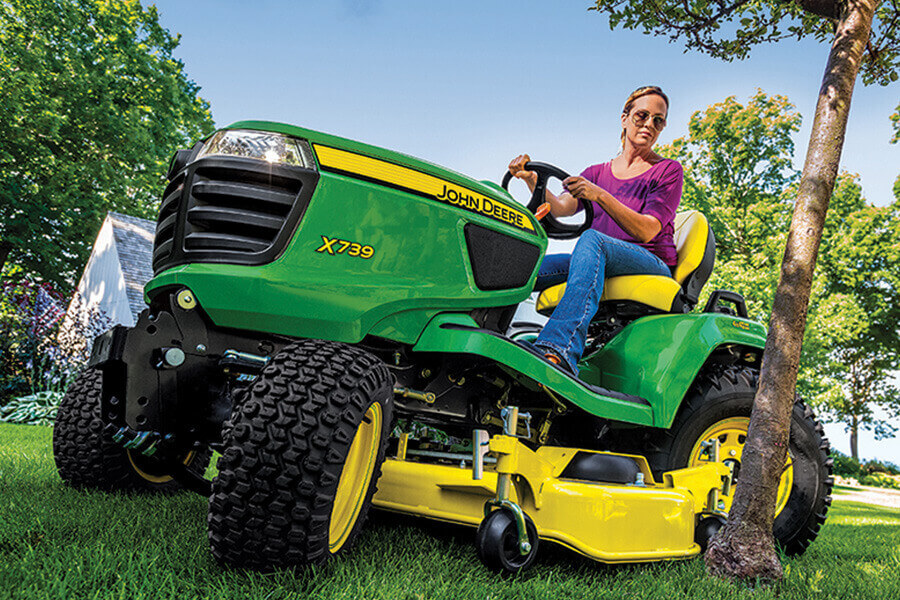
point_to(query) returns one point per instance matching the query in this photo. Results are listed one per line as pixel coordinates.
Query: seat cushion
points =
(653, 290)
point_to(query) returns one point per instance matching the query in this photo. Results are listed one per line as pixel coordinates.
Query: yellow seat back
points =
(691, 233)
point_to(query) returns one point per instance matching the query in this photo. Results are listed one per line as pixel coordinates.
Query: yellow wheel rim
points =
(355, 478)
(145, 472)
(731, 434)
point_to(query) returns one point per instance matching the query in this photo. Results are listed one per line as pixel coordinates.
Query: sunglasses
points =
(639, 117)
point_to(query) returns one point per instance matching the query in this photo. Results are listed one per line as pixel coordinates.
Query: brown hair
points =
(646, 90)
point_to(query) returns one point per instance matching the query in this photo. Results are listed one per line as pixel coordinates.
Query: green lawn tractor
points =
(334, 320)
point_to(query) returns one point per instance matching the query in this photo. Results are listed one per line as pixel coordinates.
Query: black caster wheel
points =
(497, 542)
(706, 529)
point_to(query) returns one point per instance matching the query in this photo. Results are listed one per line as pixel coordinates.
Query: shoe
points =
(557, 360)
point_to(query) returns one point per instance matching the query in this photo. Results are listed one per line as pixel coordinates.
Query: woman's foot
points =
(552, 356)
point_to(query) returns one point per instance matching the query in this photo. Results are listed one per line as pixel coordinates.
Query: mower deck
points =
(609, 522)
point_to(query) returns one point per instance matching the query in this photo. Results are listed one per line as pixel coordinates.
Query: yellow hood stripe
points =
(421, 183)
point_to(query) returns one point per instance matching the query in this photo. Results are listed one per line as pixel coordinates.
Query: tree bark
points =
(744, 548)
(854, 438)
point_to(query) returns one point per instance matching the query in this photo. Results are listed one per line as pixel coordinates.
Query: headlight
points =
(260, 145)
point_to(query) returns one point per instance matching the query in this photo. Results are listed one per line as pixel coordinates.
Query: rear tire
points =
(721, 401)
(86, 456)
(303, 452)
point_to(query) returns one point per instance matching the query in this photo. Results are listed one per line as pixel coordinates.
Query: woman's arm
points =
(641, 227)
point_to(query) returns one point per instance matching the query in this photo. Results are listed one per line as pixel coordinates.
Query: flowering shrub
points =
(41, 348)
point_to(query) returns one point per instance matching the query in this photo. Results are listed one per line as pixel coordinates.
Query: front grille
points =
(230, 210)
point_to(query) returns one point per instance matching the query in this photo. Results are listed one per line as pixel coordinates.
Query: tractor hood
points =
(286, 230)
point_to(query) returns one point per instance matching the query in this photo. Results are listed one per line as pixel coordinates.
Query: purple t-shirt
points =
(656, 192)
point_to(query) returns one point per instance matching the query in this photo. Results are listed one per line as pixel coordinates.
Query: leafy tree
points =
(857, 319)
(92, 105)
(864, 38)
(737, 161)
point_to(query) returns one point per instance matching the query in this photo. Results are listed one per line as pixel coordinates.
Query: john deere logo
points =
(483, 205)
(741, 325)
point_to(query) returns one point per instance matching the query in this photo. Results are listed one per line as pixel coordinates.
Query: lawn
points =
(60, 543)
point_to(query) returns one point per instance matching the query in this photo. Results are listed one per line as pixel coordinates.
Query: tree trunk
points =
(744, 548)
(854, 438)
(5, 248)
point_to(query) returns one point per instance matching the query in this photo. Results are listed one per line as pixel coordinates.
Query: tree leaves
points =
(895, 123)
(92, 105)
(738, 172)
(729, 30)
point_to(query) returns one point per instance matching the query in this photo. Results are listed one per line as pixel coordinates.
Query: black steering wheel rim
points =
(554, 228)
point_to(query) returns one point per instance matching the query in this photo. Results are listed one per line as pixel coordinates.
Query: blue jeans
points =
(596, 257)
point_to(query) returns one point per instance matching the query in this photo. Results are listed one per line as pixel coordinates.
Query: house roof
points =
(134, 243)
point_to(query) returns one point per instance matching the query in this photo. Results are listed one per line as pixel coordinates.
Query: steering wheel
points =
(554, 229)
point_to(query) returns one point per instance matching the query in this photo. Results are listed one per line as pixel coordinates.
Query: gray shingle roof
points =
(134, 242)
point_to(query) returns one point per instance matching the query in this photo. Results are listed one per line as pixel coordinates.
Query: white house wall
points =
(103, 285)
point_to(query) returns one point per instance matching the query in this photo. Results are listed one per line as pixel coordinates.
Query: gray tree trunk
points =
(854, 438)
(744, 548)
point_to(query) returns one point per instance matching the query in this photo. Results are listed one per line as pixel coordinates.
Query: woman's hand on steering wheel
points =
(517, 170)
(542, 172)
(582, 189)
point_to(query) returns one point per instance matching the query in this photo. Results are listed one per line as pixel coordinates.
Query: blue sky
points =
(469, 85)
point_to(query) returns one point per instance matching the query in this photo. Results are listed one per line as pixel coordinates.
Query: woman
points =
(637, 193)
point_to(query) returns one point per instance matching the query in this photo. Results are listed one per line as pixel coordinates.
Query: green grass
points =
(60, 543)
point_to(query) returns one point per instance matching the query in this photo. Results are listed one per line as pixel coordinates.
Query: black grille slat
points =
(223, 241)
(170, 202)
(166, 227)
(230, 210)
(161, 251)
(210, 216)
(244, 192)
(268, 176)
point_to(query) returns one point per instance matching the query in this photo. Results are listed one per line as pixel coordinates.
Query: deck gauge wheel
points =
(497, 542)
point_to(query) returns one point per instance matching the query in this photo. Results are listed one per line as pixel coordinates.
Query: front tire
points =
(719, 406)
(303, 452)
(87, 457)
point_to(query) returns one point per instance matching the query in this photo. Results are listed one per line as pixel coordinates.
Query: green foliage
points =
(880, 480)
(92, 105)
(737, 159)
(846, 466)
(36, 409)
(729, 29)
(873, 472)
(856, 314)
(877, 466)
(895, 123)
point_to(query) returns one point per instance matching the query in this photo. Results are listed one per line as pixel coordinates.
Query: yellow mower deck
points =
(608, 522)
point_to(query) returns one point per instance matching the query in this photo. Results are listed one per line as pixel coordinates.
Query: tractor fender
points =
(458, 333)
(659, 357)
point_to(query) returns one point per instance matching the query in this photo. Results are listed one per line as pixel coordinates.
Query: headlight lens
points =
(260, 145)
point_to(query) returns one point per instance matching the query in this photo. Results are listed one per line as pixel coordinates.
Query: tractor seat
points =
(696, 247)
